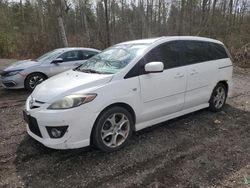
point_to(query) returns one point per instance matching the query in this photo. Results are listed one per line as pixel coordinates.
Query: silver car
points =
(28, 73)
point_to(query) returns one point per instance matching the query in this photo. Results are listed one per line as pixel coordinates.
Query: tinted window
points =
(167, 53)
(191, 52)
(198, 51)
(73, 55)
(218, 51)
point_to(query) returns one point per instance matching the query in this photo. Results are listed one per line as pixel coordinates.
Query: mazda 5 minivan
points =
(128, 87)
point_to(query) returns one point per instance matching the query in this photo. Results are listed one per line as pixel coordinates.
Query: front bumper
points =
(13, 82)
(79, 120)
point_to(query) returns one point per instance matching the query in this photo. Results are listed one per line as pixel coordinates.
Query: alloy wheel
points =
(115, 130)
(219, 97)
(35, 80)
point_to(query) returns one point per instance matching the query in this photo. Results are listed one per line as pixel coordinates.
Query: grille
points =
(33, 126)
(32, 123)
(9, 84)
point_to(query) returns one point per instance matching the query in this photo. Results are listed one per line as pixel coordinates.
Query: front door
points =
(162, 93)
(71, 59)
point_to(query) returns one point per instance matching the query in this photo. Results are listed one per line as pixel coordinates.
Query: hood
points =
(67, 83)
(22, 65)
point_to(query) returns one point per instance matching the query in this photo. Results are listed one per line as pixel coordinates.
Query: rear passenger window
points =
(191, 50)
(167, 53)
(199, 51)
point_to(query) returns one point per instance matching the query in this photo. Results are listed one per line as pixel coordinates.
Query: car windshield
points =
(112, 59)
(49, 55)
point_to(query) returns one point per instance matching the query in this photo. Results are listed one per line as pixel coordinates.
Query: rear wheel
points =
(112, 129)
(33, 80)
(218, 98)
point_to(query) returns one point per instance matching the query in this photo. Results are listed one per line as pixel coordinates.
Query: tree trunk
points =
(60, 7)
(62, 31)
(86, 26)
(213, 10)
(180, 28)
(107, 23)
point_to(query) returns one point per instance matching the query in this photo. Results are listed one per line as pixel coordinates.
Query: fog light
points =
(56, 132)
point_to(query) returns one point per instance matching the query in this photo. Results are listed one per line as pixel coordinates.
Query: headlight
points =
(72, 101)
(12, 73)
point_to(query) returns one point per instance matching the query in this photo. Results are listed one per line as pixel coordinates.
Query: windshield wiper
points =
(89, 71)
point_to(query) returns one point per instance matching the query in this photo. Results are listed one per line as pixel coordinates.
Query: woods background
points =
(29, 28)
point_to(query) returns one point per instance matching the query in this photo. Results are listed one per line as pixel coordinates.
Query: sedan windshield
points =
(49, 55)
(112, 59)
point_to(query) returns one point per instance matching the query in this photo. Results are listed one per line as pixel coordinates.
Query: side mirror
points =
(58, 60)
(154, 67)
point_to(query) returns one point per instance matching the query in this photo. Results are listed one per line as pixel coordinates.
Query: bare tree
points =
(107, 23)
(180, 28)
(29, 28)
(61, 7)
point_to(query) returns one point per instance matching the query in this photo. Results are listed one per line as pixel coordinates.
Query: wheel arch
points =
(225, 83)
(117, 104)
(37, 72)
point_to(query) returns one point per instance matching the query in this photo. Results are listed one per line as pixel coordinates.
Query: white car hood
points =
(22, 65)
(67, 83)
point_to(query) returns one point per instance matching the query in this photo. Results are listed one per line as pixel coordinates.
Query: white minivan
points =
(128, 87)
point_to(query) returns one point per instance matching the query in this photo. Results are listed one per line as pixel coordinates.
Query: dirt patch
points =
(202, 149)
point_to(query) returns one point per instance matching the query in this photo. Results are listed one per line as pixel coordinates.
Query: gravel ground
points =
(202, 149)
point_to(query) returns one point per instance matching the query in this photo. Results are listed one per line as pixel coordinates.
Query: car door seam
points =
(197, 88)
(164, 97)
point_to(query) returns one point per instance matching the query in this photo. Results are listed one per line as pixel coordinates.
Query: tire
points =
(33, 80)
(112, 129)
(218, 98)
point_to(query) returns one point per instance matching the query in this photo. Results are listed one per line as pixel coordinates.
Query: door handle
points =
(179, 75)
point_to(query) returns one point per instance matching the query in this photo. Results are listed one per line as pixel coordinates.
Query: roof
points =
(77, 48)
(199, 38)
(141, 41)
(153, 40)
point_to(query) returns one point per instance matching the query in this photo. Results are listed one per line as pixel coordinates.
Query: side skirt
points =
(168, 117)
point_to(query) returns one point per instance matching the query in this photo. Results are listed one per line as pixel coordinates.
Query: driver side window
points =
(73, 55)
(167, 53)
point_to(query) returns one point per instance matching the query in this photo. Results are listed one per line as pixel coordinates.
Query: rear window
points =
(199, 51)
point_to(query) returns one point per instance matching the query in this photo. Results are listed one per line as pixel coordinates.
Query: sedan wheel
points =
(33, 80)
(112, 129)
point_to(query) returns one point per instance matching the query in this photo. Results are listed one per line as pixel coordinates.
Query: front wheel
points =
(218, 98)
(112, 129)
(33, 80)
